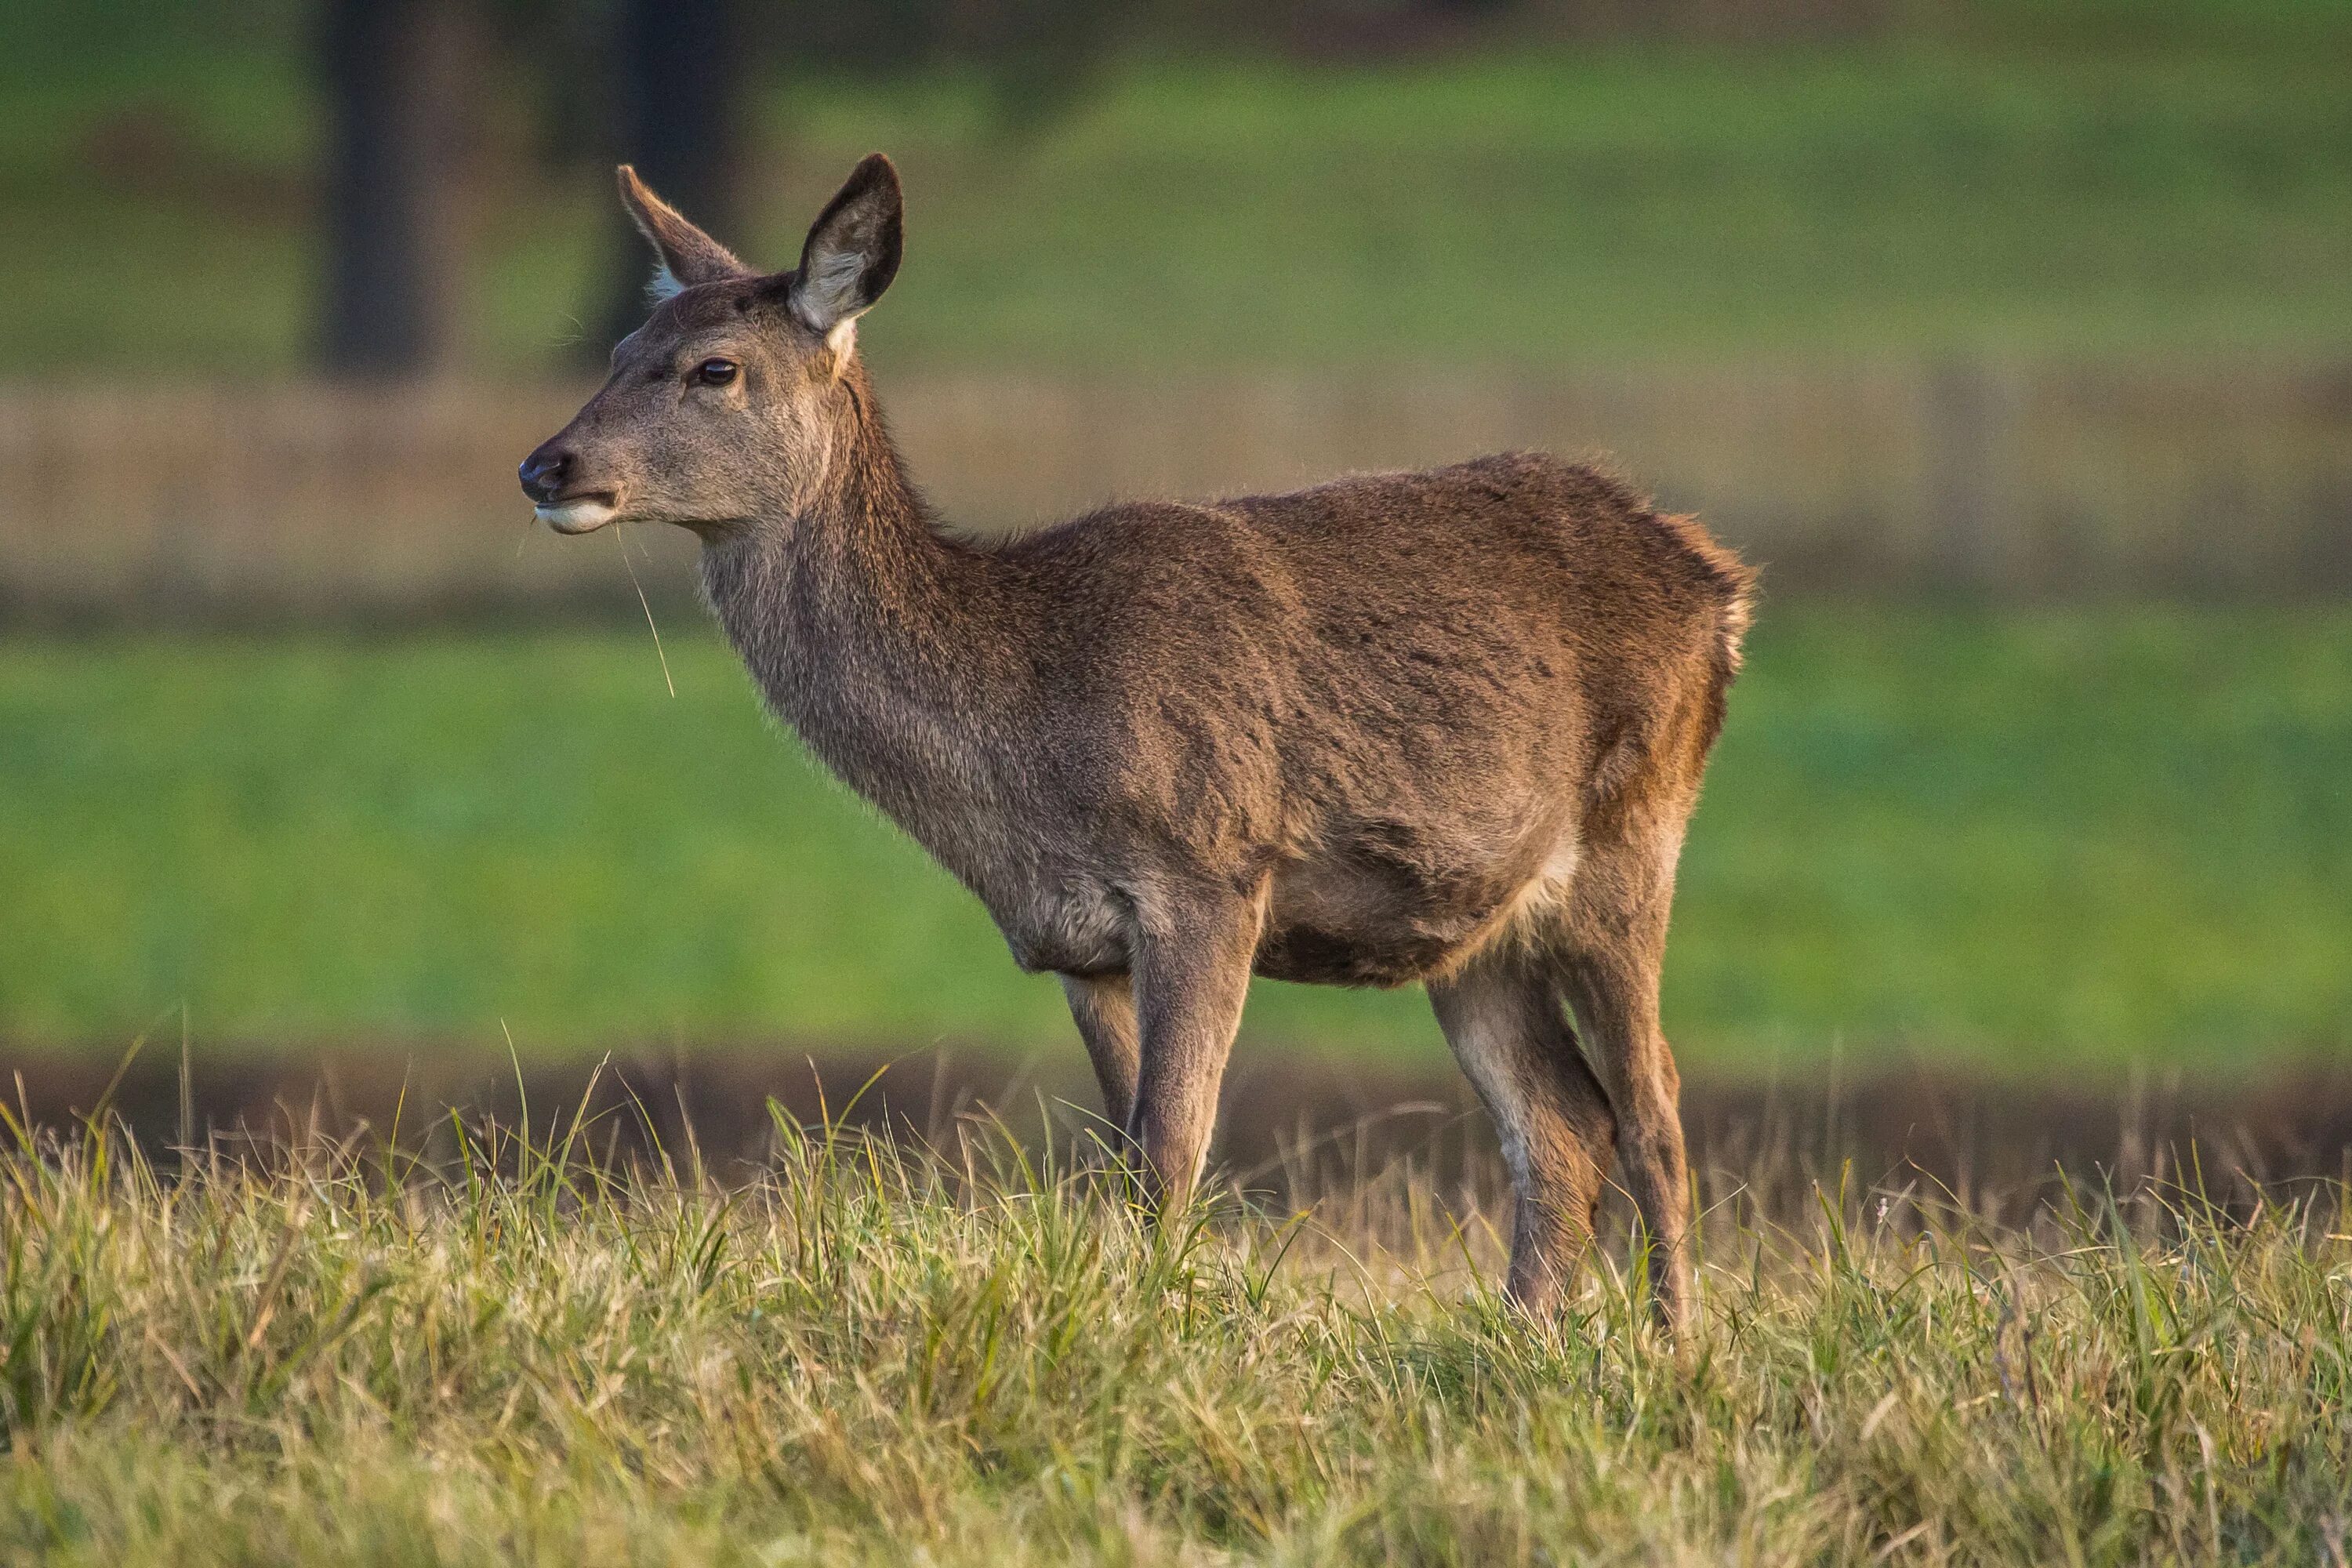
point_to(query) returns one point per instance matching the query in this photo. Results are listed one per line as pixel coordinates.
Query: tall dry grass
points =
(972, 1353)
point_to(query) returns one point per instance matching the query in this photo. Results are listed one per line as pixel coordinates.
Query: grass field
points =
(2055, 842)
(864, 1355)
(2164, 179)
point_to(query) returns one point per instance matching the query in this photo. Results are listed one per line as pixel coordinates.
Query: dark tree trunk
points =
(398, 75)
(679, 81)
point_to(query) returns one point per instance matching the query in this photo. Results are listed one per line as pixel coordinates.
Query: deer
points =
(1441, 728)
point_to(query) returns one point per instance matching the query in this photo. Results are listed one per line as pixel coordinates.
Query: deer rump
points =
(1396, 707)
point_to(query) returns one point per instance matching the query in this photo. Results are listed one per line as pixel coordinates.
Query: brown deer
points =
(1441, 727)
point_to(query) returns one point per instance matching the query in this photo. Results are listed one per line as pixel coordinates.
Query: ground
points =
(861, 1354)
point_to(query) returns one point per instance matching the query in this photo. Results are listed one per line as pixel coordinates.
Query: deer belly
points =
(1341, 924)
(1070, 930)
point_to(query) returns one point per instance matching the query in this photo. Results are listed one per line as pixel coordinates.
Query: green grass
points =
(866, 1356)
(2010, 182)
(2044, 843)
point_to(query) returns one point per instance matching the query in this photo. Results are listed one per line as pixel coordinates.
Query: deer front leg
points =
(1104, 1008)
(1191, 977)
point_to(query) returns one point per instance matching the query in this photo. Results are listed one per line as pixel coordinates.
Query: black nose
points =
(544, 471)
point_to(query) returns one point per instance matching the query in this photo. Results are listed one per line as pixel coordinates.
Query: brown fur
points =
(1441, 727)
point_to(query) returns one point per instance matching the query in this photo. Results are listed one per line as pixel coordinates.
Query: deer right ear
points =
(852, 252)
(686, 255)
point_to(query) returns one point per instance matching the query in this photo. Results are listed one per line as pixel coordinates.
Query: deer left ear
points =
(852, 252)
(686, 254)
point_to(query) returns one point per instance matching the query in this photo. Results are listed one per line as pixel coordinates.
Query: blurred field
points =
(2075, 180)
(2042, 843)
(308, 502)
(860, 1354)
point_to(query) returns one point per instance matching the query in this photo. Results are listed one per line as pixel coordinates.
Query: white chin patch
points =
(575, 516)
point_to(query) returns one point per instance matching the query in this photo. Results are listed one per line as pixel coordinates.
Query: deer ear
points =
(852, 251)
(686, 255)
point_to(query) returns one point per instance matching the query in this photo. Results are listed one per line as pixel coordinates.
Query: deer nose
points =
(544, 473)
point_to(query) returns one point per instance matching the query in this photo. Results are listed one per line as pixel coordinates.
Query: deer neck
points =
(887, 646)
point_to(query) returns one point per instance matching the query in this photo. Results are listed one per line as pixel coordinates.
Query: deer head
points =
(724, 406)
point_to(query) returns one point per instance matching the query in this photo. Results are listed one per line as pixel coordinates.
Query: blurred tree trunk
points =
(400, 79)
(679, 78)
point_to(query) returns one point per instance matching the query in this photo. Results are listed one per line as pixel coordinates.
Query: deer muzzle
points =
(550, 479)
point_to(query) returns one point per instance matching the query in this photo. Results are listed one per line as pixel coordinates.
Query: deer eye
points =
(716, 372)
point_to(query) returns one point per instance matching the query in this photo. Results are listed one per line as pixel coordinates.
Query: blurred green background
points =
(2048, 840)
(2045, 819)
(1500, 182)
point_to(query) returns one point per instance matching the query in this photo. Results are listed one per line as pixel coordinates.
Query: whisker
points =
(647, 605)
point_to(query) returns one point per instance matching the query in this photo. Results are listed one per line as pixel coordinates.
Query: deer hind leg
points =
(1502, 1017)
(1612, 945)
(1104, 1008)
(1192, 972)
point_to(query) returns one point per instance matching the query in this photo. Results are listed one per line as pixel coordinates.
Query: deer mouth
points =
(580, 513)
